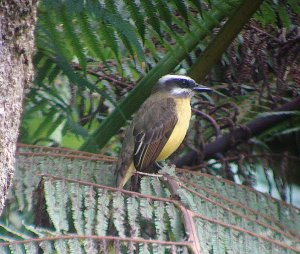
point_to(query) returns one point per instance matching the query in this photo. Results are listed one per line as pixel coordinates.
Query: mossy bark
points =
(17, 22)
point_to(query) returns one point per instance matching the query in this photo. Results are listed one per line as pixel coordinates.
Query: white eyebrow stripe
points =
(169, 77)
(180, 91)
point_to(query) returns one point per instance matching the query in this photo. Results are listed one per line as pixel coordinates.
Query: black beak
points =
(199, 88)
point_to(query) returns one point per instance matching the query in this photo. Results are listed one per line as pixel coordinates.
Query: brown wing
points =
(154, 124)
(125, 158)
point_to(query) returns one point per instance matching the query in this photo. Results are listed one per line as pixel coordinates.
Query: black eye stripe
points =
(182, 82)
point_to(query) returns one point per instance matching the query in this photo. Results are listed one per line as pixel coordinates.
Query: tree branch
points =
(242, 134)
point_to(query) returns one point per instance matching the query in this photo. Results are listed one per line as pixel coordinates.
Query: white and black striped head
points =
(178, 85)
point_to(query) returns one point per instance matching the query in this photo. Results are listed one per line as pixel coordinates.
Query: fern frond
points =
(76, 197)
(197, 4)
(119, 213)
(61, 246)
(146, 209)
(182, 9)
(177, 229)
(107, 33)
(103, 204)
(295, 6)
(137, 17)
(159, 221)
(74, 246)
(164, 12)
(45, 123)
(133, 216)
(72, 37)
(47, 246)
(146, 186)
(56, 123)
(44, 70)
(267, 15)
(187, 199)
(54, 38)
(126, 33)
(76, 128)
(17, 249)
(144, 248)
(150, 13)
(223, 216)
(89, 211)
(111, 6)
(53, 74)
(157, 187)
(55, 194)
(89, 36)
(284, 16)
(163, 67)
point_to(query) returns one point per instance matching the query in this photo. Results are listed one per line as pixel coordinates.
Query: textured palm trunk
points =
(17, 22)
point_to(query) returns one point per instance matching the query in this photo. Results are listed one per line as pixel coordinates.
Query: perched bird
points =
(158, 127)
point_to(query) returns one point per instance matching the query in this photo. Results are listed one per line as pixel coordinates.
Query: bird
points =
(159, 126)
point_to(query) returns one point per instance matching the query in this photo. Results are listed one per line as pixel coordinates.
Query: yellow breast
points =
(183, 108)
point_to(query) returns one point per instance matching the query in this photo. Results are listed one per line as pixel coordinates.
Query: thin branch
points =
(242, 134)
(68, 156)
(210, 120)
(60, 150)
(264, 33)
(95, 237)
(102, 76)
(190, 229)
(205, 164)
(99, 186)
(172, 185)
(147, 174)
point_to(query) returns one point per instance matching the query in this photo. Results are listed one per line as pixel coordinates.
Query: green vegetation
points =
(96, 62)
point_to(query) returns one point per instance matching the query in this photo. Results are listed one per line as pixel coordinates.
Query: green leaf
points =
(125, 31)
(197, 4)
(44, 70)
(284, 16)
(164, 11)
(153, 20)
(295, 6)
(119, 213)
(107, 33)
(103, 202)
(182, 9)
(72, 37)
(111, 125)
(41, 129)
(89, 36)
(136, 16)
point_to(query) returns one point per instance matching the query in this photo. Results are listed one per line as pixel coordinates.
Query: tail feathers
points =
(123, 175)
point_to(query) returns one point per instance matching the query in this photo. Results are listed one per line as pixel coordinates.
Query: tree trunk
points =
(17, 22)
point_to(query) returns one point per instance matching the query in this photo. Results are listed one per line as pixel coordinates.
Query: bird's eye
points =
(186, 83)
